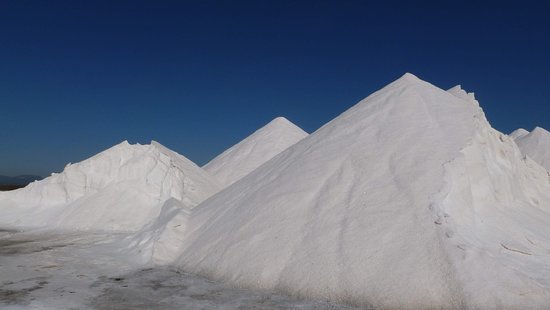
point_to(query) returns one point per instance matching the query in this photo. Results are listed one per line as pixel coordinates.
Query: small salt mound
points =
(536, 145)
(121, 188)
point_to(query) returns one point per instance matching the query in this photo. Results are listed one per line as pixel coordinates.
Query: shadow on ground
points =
(15, 246)
(163, 288)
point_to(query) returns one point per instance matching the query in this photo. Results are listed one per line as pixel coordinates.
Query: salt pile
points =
(407, 200)
(122, 189)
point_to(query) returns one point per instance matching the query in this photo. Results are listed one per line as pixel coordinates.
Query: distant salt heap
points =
(122, 188)
(535, 144)
(518, 133)
(256, 149)
(407, 200)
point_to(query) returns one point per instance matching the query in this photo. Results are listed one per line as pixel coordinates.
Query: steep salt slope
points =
(121, 188)
(536, 145)
(160, 240)
(396, 203)
(256, 149)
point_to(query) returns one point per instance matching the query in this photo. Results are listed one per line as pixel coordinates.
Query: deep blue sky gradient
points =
(77, 77)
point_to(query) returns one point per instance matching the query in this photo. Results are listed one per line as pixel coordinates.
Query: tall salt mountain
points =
(409, 199)
(121, 188)
(535, 144)
(256, 149)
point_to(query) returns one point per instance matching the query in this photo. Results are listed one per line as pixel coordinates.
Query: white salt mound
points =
(122, 188)
(409, 199)
(256, 149)
(536, 145)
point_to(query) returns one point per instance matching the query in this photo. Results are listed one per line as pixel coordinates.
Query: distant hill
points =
(20, 180)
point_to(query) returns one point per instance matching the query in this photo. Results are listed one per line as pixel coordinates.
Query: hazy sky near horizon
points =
(199, 76)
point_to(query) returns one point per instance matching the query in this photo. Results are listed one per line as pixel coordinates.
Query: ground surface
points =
(84, 271)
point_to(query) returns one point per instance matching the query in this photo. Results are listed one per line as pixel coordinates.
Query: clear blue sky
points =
(79, 76)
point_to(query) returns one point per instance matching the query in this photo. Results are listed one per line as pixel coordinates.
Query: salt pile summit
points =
(256, 149)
